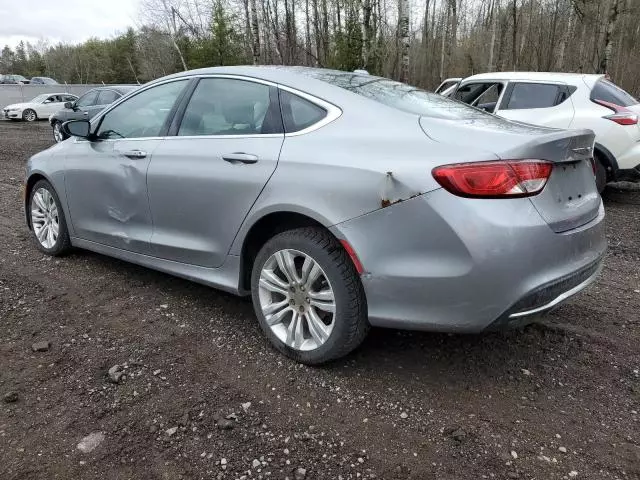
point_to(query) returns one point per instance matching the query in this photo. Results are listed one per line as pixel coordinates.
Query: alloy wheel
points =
(297, 300)
(44, 218)
(57, 132)
(30, 116)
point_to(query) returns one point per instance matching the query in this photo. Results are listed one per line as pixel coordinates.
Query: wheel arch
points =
(265, 228)
(608, 159)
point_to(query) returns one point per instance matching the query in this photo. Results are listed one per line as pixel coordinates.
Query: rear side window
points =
(606, 91)
(299, 113)
(107, 97)
(535, 95)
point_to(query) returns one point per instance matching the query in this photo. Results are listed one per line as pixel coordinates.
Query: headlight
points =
(12, 109)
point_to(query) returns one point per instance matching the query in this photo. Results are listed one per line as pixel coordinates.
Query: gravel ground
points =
(198, 393)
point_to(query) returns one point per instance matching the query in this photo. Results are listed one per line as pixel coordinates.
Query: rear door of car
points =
(222, 148)
(538, 102)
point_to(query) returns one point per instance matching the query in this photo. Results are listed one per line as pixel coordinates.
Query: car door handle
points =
(239, 157)
(85, 113)
(135, 154)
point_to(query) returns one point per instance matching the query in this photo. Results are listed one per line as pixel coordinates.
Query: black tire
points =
(601, 174)
(63, 242)
(29, 115)
(351, 323)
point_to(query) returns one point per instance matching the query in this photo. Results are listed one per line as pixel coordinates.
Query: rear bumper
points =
(443, 263)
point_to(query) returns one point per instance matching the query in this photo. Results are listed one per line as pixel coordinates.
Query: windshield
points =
(397, 95)
(40, 98)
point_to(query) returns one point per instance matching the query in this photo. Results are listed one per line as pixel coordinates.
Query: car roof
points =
(122, 89)
(57, 93)
(293, 76)
(539, 76)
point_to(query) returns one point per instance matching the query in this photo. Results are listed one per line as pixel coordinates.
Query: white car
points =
(566, 100)
(38, 108)
(448, 85)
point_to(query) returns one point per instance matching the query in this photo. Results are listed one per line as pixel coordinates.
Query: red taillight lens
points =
(621, 115)
(503, 179)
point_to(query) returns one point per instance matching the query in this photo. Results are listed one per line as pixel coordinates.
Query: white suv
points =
(566, 100)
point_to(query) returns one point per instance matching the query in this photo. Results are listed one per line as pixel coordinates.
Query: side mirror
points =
(46, 101)
(77, 128)
(68, 105)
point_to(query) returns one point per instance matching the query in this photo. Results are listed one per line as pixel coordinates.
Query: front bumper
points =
(444, 263)
(11, 115)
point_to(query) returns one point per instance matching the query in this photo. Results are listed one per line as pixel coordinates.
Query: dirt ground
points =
(557, 400)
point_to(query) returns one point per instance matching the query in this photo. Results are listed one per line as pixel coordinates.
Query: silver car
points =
(336, 200)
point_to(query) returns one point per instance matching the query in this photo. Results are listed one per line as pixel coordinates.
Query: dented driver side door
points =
(107, 192)
(106, 179)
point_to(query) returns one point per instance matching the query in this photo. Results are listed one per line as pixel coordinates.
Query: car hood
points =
(18, 105)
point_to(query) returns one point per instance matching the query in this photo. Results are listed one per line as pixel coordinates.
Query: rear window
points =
(395, 94)
(606, 91)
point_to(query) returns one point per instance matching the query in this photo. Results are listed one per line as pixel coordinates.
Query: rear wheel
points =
(29, 115)
(308, 296)
(47, 220)
(601, 173)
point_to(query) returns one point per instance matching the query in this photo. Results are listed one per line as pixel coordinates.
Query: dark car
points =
(13, 79)
(43, 81)
(87, 106)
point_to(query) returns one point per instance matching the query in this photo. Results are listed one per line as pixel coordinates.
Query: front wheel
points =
(29, 115)
(308, 297)
(48, 223)
(58, 135)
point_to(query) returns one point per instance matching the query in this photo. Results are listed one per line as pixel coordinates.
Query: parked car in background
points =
(566, 100)
(336, 200)
(448, 85)
(39, 107)
(13, 79)
(43, 81)
(87, 106)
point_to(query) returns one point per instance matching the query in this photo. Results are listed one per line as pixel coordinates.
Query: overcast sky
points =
(63, 20)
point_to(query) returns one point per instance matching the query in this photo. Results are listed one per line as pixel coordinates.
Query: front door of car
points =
(203, 181)
(83, 105)
(105, 178)
(51, 105)
(539, 103)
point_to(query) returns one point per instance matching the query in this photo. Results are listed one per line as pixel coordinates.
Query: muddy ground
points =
(558, 400)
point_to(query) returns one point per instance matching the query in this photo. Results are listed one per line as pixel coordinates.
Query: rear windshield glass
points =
(397, 95)
(606, 91)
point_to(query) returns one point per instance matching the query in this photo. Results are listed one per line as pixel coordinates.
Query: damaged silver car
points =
(336, 200)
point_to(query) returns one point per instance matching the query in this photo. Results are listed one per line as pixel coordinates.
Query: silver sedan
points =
(336, 200)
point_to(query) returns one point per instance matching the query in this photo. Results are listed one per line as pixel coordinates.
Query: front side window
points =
(107, 97)
(606, 91)
(143, 115)
(535, 95)
(221, 106)
(299, 113)
(88, 99)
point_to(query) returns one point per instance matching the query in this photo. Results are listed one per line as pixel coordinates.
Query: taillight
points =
(621, 115)
(502, 179)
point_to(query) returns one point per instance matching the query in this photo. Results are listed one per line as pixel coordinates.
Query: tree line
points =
(418, 41)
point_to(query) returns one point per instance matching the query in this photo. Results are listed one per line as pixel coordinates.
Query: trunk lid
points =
(570, 197)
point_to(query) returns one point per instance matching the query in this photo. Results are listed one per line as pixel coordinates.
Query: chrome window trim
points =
(333, 112)
(227, 137)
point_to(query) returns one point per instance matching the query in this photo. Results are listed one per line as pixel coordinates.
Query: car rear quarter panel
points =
(353, 166)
